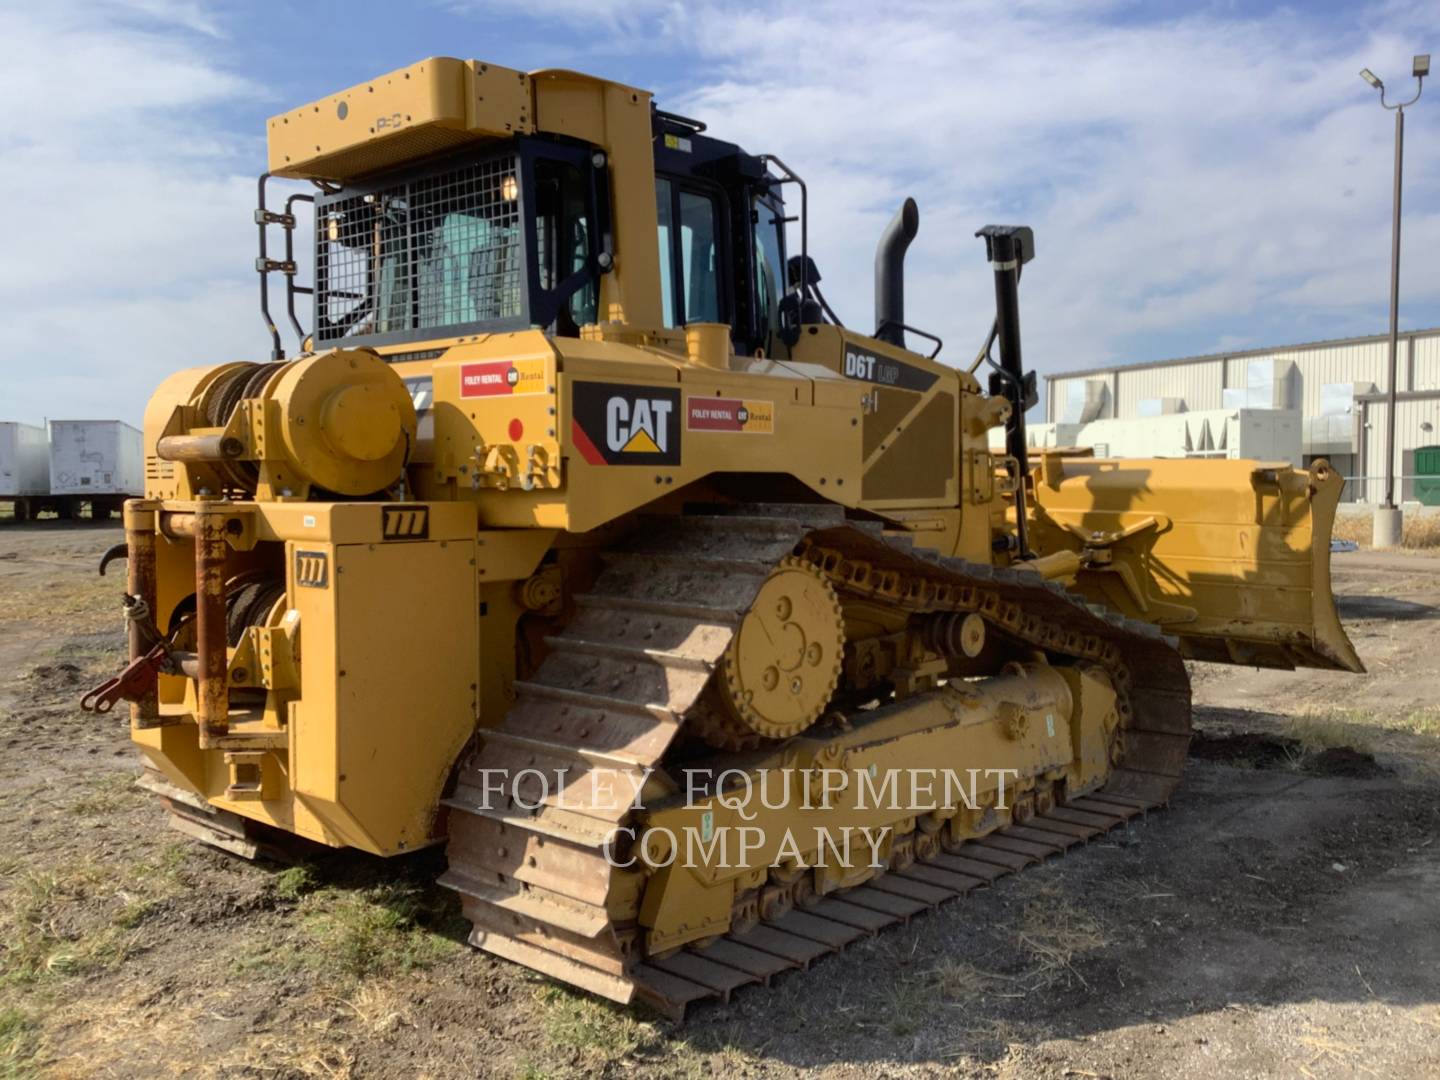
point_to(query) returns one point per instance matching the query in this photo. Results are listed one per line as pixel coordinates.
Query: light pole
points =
(1388, 520)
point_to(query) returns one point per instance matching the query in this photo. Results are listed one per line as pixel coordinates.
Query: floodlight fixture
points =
(1387, 511)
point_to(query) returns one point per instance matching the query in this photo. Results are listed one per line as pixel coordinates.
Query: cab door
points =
(694, 252)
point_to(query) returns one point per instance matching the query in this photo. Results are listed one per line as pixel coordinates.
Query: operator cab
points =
(503, 240)
(722, 234)
(517, 236)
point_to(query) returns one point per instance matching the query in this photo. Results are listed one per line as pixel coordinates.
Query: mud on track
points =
(1280, 919)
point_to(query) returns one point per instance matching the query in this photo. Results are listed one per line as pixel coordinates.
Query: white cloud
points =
(1194, 181)
(1199, 178)
(127, 219)
(597, 24)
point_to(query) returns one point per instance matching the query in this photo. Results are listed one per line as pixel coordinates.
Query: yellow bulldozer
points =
(580, 536)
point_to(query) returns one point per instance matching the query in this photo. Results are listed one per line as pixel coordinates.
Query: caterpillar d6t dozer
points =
(581, 537)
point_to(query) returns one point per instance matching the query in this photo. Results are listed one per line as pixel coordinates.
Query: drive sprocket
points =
(783, 664)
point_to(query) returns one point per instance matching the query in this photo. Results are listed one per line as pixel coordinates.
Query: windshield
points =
(440, 251)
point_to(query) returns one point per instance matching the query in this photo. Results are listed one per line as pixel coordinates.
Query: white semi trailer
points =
(24, 467)
(99, 463)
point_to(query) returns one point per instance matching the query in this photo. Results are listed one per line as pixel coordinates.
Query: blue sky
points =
(1200, 176)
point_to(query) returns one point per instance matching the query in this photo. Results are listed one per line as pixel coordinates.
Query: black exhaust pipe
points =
(1009, 247)
(890, 273)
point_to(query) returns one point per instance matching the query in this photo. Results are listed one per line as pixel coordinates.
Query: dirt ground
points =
(1282, 918)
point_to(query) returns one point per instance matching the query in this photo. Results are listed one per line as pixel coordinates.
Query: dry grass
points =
(377, 1009)
(1052, 935)
(962, 982)
(1422, 722)
(1317, 732)
(126, 1033)
(1004, 1036)
(1360, 729)
(81, 604)
(1421, 531)
(1409, 741)
(1056, 933)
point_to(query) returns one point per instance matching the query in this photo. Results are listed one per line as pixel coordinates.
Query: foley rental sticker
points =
(730, 414)
(497, 378)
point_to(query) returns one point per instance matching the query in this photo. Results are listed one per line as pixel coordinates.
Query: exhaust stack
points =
(890, 273)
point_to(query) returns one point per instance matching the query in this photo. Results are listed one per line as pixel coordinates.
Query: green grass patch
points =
(109, 793)
(294, 882)
(385, 930)
(18, 1042)
(136, 912)
(79, 918)
(602, 1033)
(38, 922)
(169, 864)
(101, 950)
(260, 956)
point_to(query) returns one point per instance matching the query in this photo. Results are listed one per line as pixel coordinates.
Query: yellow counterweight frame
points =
(396, 641)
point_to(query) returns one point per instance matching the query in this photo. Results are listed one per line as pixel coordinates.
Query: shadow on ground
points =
(1383, 607)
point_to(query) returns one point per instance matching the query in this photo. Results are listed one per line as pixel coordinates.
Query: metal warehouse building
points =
(1334, 391)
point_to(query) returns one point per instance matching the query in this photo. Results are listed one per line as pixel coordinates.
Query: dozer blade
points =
(1231, 557)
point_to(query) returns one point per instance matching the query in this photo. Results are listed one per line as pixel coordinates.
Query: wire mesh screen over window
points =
(439, 251)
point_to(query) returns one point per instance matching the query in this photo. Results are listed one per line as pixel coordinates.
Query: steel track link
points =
(617, 685)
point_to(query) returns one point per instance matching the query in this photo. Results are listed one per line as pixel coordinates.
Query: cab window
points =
(562, 234)
(769, 286)
(664, 203)
(691, 259)
(700, 257)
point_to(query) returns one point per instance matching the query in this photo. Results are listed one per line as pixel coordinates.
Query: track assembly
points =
(741, 602)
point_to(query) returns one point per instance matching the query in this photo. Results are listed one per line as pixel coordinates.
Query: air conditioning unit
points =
(1085, 400)
(1159, 406)
(1267, 385)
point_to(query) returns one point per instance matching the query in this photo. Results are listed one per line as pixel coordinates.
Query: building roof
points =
(1110, 369)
